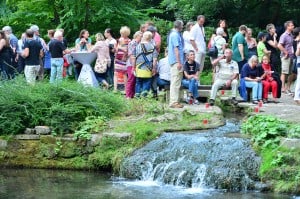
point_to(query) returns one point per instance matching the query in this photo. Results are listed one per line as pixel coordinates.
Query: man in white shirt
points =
(227, 72)
(198, 41)
(164, 71)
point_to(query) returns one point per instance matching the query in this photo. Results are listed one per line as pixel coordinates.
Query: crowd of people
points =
(267, 64)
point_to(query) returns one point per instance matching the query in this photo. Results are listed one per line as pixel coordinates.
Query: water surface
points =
(59, 184)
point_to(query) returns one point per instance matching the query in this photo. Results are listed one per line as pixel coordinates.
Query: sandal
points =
(176, 105)
(265, 101)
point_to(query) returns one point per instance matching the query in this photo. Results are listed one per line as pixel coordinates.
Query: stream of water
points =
(174, 166)
(60, 184)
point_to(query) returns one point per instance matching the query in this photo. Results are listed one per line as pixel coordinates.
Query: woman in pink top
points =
(102, 50)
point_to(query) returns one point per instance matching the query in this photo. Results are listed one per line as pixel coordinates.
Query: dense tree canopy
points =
(96, 15)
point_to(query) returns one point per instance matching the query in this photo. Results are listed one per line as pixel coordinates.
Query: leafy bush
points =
(265, 130)
(62, 106)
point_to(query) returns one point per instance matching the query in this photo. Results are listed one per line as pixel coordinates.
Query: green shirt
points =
(237, 39)
(260, 50)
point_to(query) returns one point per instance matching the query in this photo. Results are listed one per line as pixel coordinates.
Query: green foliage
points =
(94, 15)
(265, 130)
(91, 125)
(279, 165)
(254, 12)
(294, 131)
(206, 77)
(62, 107)
(106, 153)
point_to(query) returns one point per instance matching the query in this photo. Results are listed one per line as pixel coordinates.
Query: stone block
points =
(27, 137)
(95, 139)
(121, 136)
(290, 143)
(3, 144)
(42, 130)
(29, 131)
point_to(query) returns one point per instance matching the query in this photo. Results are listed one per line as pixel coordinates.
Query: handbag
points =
(213, 50)
(100, 66)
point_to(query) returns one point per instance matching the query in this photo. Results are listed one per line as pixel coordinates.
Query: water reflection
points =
(57, 184)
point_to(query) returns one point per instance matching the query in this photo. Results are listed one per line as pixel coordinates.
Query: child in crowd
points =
(191, 76)
(261, 47)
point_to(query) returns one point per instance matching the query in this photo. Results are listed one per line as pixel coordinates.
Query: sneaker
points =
(187, 99)
(196, 102)
(211, 102)
(176, 105)
(234, 101)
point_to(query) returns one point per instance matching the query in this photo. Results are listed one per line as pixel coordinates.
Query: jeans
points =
(162, 82)
(110, 71)
(142, 86)
(192, 85)
(56, 69)
(256, 89)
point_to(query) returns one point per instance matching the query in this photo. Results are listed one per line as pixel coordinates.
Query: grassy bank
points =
(74, 112)
(280, 164)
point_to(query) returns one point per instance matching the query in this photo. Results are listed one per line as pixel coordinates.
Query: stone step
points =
(27, 137)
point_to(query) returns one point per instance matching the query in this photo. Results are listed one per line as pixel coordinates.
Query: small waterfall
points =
(206, 159)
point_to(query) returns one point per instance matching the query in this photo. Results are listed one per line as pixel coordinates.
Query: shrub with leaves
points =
(265, 130)
(61, 106)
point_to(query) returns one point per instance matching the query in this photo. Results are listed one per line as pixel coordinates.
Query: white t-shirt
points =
(164, 69)
(187, 41)
(198, 35)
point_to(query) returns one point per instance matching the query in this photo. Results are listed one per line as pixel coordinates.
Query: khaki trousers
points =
(176, 77)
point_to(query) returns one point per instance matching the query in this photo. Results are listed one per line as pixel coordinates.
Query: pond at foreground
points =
(58, 184)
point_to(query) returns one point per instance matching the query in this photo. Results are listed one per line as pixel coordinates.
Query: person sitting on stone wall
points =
(190, 79)
(227, 73)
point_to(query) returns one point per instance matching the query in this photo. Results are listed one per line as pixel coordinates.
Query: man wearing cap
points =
(36, 36)
(33, 50)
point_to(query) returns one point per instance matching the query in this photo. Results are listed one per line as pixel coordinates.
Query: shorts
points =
(286, 65)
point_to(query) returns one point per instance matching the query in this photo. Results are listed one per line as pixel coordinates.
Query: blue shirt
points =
(247, 71)
(175, 40)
